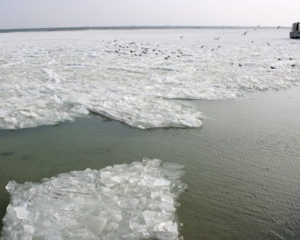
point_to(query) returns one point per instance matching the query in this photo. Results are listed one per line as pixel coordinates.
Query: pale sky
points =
(78, 13)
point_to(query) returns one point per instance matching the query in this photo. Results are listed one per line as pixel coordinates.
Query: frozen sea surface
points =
(134, 201)
(137, 76)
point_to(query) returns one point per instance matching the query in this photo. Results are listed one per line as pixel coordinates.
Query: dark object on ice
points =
(295, 33)
(272, 67)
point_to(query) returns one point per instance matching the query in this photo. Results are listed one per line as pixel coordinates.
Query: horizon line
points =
(34, 29)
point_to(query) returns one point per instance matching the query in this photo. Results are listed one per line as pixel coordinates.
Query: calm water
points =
(242, 167)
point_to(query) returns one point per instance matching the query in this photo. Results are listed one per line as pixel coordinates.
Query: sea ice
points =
(136, 77)
(134, 201)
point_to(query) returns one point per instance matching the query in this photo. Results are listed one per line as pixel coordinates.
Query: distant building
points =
(295, 33)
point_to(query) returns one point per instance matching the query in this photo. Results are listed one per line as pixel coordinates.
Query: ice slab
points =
(134, 201)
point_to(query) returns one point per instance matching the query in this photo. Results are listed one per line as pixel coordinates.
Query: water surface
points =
(242, 166)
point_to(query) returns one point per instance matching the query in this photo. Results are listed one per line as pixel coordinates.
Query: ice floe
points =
(134, 201)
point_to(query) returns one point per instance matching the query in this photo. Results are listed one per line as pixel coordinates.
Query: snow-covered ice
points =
(134, 201)
(137, 76)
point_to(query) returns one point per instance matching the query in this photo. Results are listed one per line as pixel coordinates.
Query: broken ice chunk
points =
(160, 182)
(96, 224)
(129, 202)
(21, 212)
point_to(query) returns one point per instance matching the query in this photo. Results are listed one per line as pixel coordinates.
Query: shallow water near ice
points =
(242, 167)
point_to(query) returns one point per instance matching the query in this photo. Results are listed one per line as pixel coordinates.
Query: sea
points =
(222, 102)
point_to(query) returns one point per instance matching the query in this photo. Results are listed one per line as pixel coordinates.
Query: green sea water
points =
(242, 167)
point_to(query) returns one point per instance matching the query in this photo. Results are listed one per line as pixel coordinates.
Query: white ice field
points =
(137, 76)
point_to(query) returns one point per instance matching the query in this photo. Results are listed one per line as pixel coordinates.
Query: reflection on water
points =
(242, 167)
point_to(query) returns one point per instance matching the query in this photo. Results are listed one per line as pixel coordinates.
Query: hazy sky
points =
(74, 13)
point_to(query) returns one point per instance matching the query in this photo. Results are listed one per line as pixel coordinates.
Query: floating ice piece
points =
(129, 202)
(21, 213)
(147, 112)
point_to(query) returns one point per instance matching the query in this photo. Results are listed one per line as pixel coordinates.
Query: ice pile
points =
(135, 201)
(137, 76)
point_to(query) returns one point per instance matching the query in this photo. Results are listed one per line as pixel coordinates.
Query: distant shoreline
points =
(52, 29)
